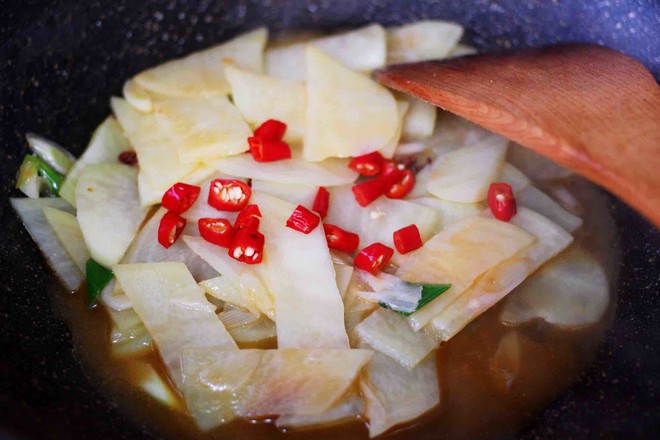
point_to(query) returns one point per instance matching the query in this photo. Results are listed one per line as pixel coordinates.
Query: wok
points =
(61, 60)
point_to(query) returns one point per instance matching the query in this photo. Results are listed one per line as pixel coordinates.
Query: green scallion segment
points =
(52, 178)
(429, 293)
(97, 278)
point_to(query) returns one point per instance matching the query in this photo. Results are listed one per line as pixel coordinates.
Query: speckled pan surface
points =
(61, 60)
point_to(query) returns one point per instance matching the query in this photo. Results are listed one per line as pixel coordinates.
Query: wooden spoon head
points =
(589, 108)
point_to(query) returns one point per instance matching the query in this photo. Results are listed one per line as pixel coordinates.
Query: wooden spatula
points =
(591, 109)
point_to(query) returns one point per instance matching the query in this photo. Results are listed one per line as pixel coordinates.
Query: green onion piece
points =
(429, 293)
(52, 178)
(28, 179)
(97, 278)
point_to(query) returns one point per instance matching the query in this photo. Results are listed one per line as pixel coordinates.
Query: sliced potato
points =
(298, 270)
(536, 166)
(260, 97)
(343, 276)
(128, 335)
(449, 212)
(174, 310)
(296, 194)
(461, 50)
(146, 249)
(155, 386)
(422, 40)
(294, 171)
(109, 211)
(457, 256)
(160, 166)
(348, 114)
(221, 385)
(514, 177)
(378, 221)
(200, 74)
(348, 407)
(535, 199)
(203, 128)
(419, 122)
(391, 146)
(65, 225)
(31, 212)
(137, 97)
(255, 335)
(497, 282)
(244, 284)
(362, 49)
(570, 291)
(395, 395)
(464, 175)
(107, 143)
(389, 333)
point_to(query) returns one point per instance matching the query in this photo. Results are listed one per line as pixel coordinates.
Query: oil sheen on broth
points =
(493, 378)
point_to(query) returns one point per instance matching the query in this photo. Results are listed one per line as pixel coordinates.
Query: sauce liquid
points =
(493, 378)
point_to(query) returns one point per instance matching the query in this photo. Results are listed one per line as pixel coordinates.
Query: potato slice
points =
(160, 166)
(570, 291)
(395, 395)
(457, 256)
(422, 40)
(128, 335)
(223, 385)
(514, 177)
(137, 97)
(347, 408)
(203, 128)
(379, 220)
(296, 194)
(401, 111)
(294, 171)
(247, 286)
(298, 270)
(461, 50)
(464, 175)
(260, 97)
(449, 213)
(419, 122)
(31, 212)
(535, 199)
(496, 283)
(146, 249)
(348, 114)
(389, 333)
(362, 49)
(109, 211)
(107, 143)
(65, 225)
(174, 310)
(200, 74)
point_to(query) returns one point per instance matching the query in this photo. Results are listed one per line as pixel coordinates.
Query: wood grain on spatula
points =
(591, 109)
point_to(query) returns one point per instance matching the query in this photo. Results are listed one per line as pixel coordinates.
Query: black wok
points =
(61, 60)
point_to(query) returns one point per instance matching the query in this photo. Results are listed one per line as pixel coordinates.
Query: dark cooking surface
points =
(58, 67)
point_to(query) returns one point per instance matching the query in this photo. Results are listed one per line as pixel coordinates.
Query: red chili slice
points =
(264, 150)
(229, 195)
(407, 239)
(303, 220)
(501, 201)
(340, 239)
(170, 228)
(367, 164)
(402, 185)
(321, 202)
(247, 246)
(180, 197)
(367, 192)
(218, 231)
(128, 157)
(373, 258)
(271, 130)
(248, 218)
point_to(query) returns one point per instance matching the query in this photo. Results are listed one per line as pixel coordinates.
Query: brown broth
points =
(480, 396)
